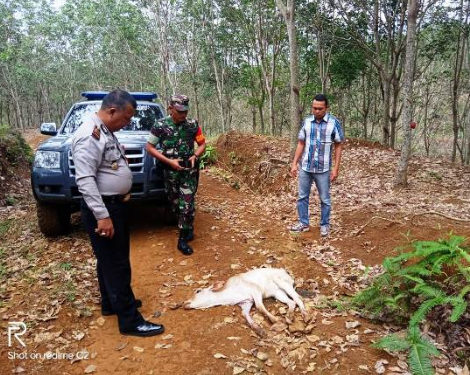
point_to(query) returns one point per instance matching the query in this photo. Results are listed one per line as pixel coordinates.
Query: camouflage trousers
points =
(181, 187)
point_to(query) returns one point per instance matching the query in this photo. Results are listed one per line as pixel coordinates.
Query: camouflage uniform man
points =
(175, 136)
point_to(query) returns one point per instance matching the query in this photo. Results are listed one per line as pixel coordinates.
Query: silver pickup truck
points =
(53, 172)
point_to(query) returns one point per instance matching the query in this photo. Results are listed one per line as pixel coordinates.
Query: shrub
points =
(208, 157)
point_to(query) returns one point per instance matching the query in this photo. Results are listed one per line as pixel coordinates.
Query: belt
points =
(118, 198)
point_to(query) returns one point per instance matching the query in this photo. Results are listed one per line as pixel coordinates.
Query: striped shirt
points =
(319, 138)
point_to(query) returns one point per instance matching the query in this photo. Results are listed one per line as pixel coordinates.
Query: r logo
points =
(16, 329)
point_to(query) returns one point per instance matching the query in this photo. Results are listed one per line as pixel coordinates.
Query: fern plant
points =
(434, 273)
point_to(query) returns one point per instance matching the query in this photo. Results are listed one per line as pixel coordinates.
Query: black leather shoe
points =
(145, 329)
(104, 312)
(184, 247)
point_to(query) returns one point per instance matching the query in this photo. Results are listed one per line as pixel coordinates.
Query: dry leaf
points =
(354, 324)
(121, 346)
(90, 369)
(219, 355)
(138, 349)
(238, 370)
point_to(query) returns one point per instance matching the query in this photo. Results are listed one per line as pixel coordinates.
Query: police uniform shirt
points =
(100, 165)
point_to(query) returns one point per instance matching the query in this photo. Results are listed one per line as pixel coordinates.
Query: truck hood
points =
(63, 142)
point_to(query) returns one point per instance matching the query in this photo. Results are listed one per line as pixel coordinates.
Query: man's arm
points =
(298, 153)
(338, 150)
(199, 151)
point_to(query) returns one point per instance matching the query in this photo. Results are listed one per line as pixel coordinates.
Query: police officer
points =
(175, 136)
(105, 179)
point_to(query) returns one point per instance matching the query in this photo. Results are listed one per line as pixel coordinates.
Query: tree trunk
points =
(401, 174)
(288, 12)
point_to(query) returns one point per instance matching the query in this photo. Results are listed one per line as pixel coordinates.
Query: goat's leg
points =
(281, 296)
(289, 289)
(246, 307)
(258, 298)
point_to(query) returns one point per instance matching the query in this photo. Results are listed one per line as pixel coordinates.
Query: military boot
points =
(187, 234)
(183, 245)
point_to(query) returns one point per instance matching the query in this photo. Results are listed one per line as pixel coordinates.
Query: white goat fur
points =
(250, 288)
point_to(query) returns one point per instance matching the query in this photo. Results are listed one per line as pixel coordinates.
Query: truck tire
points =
(53, 219)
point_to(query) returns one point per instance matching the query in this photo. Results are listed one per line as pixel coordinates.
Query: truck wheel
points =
(53, 219)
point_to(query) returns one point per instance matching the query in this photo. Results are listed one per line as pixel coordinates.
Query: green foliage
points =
(433, 273)
(4, 226)
(208, 157)
(14, 145)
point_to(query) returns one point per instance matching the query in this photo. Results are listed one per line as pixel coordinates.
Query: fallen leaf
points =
(354, 324)
(138, 349)
(219, 355)
(100, 321)
(238, 370)
(121, 346)
(90, 369)
(262, 356)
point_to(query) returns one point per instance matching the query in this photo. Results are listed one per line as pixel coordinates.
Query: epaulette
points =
(96, 133)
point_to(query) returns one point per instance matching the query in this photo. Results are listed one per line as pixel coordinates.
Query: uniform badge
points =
(96, 133)
(114, 166)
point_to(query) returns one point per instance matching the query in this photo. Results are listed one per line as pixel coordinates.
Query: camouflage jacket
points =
(176, 140)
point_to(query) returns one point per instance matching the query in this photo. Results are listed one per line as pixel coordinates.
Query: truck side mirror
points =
(48, 128)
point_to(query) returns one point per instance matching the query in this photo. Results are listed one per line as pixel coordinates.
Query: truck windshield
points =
(145, 116)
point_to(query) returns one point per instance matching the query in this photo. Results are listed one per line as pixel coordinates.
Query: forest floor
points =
(244, 207)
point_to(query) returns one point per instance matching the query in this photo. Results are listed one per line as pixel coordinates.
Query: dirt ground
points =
(241, 224)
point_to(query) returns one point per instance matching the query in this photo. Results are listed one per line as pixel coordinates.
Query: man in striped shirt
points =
(314, 151)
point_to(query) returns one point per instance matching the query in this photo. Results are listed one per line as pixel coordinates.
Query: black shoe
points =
(145, 329)
(184, 247)
(104, 312)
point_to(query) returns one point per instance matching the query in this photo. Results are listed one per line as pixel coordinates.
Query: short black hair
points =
(321, 98)
(118, 99)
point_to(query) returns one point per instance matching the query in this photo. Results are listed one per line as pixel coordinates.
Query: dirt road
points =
(236, 230)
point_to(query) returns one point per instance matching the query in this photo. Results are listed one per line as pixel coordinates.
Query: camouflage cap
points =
(180, 102)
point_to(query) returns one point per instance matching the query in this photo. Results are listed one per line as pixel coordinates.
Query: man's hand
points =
(175, 164)
(105, 228)
(293, 170)
(334, 174)
(193, 159)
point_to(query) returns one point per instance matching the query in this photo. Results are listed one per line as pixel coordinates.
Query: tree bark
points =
(288, 12)
(401, 174)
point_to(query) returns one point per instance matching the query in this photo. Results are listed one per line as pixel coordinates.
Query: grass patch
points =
(4, 226)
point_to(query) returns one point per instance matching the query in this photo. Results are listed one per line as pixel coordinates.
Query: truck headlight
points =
(47, 159)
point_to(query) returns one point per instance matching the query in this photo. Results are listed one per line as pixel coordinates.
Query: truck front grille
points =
(135, 156)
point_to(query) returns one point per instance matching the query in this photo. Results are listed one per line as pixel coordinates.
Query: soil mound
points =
(260, 162)
(15, 161)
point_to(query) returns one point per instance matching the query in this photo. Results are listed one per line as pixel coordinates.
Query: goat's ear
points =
(218, 285)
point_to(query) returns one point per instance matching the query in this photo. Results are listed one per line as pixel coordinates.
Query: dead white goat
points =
(250, 288)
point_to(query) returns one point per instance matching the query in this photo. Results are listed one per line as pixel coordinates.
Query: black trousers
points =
(113, 265)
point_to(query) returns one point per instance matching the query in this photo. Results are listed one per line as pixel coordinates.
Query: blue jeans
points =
(322, 182)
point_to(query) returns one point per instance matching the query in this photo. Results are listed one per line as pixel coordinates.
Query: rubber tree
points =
(401, 173)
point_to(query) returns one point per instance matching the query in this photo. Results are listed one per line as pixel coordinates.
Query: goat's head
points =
(203, 298)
